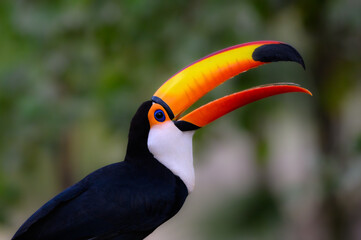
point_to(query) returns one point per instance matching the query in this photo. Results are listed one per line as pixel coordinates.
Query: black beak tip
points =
(277, 52)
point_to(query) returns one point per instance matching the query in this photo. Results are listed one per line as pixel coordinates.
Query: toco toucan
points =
(130, 199)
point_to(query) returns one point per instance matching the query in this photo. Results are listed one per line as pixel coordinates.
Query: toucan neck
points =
(137, 149)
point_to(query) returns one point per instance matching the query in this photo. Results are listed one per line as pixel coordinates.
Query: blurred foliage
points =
(9, 197)
(258, 216)
(72, 73)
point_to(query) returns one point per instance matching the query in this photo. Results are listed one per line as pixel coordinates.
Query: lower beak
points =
(206, 114)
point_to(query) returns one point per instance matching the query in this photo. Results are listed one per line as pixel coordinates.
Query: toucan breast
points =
(173, 148)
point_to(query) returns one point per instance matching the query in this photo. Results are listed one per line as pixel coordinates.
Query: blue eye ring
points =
(159, 115)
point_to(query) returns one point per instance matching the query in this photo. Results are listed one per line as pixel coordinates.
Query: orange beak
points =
(188, 85)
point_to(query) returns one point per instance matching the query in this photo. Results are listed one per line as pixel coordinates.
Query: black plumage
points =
(125, 200)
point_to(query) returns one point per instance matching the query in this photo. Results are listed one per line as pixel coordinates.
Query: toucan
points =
(130, 199)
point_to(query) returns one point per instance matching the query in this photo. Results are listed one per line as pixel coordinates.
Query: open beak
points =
(188, 85)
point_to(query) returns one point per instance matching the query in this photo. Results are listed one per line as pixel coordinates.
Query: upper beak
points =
(188, 85)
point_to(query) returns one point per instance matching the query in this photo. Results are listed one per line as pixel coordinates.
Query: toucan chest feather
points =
(173, 148)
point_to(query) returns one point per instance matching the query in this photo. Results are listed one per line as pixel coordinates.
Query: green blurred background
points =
(72, 74)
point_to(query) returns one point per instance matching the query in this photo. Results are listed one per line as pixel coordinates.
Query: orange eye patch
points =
(157, 114)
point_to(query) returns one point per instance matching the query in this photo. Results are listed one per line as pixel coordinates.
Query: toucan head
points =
(170, 133)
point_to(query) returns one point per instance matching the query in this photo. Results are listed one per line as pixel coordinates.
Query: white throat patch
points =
(173, 148)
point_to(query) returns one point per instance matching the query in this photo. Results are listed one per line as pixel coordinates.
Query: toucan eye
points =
(159, 115)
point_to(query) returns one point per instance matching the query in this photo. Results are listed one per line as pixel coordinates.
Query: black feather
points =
(126, 200)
